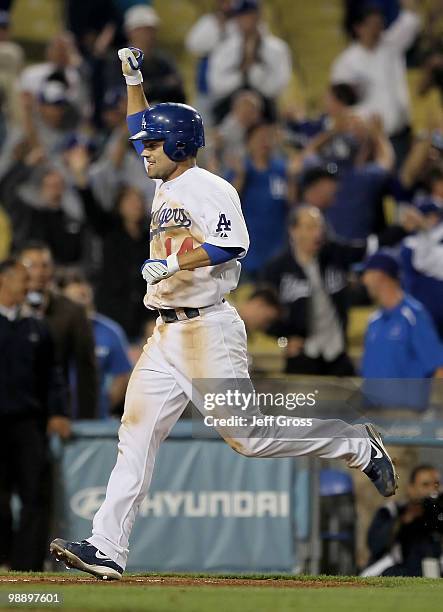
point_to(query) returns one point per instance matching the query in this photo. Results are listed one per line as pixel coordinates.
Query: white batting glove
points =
(131, 59)
(155, 270)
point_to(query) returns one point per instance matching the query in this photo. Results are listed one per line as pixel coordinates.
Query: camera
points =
(35, 299)
(433, 512)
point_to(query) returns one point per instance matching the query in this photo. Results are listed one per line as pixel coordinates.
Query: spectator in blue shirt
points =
(364, 158)
(111, 347)
(262, 180)
(422, 260)
(401, 341)
(317, 187)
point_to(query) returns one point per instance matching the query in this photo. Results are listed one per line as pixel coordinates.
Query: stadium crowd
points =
(75, 198)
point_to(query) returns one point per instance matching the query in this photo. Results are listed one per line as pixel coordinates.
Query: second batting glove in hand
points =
(155, 270)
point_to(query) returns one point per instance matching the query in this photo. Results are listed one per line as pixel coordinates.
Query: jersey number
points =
(186, 245)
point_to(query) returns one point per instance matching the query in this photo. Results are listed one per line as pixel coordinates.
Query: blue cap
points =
(179, 125)
(383, 261)
(244, 6)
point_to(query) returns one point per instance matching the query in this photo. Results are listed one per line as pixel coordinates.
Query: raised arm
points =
(384, 154)
(406, 27)
(137, 102)
(132, 59)
(416, 161)
(101, 220)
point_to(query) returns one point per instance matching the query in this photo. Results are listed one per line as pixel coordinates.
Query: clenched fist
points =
(131, 59)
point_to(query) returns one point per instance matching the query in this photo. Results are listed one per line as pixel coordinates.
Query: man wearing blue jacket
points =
(402, 349)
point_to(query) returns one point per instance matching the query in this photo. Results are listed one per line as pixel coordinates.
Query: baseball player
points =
(197, 236)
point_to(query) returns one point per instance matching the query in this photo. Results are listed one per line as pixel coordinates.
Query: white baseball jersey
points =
(194, 208)
(187, 211)
(185, 358)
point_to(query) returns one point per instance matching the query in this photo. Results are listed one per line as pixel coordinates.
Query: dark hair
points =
(345, 93)
(33, 245)
(8, 264)
(296, 211)
(253, 128)
(267, 295)
(434, 175)
(357, 17)
(251, 93)
(72, 276)
(314, 175)
(423, 467)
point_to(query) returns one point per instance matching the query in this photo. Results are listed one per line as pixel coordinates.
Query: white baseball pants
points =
(212, 345)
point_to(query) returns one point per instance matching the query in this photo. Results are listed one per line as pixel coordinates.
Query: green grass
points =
(375, 595)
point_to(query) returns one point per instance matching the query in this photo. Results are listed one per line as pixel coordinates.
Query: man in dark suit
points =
(32, 404)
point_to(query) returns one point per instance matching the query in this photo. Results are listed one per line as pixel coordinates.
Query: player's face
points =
(40, 268)
(159, 164)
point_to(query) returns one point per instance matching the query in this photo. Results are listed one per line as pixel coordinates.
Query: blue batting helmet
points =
(179, 125)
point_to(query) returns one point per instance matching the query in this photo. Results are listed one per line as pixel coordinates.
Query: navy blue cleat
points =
(381, 469)
(85, 557)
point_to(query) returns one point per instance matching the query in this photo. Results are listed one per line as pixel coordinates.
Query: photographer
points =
(403, 535)
(69, 326)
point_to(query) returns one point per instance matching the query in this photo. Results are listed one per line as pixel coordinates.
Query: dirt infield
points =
(177, 581)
